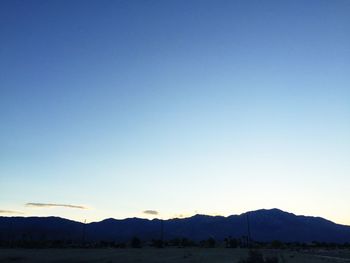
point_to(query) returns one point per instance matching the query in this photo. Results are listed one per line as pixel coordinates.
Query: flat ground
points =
(194, 255)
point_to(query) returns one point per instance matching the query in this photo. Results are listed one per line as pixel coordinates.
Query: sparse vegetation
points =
(136, 242)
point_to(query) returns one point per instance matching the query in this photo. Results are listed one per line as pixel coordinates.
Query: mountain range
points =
(265, 225)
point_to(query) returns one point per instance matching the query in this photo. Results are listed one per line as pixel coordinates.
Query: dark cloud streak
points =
(150, 212)
(45, 205)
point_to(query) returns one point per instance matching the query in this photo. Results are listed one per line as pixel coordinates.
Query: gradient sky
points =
(183, 107)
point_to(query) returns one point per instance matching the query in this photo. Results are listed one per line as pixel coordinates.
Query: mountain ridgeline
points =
(265, 225)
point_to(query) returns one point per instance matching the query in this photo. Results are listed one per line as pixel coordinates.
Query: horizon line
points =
(174, 218)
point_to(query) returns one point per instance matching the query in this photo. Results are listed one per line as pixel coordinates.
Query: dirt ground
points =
(194, 255)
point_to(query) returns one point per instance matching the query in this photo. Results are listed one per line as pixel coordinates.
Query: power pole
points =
(84, 232)
(162, 232)
(248, 230)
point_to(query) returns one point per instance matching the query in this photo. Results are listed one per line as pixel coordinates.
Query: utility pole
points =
(84, 232)
(162, 232)
(248, 230)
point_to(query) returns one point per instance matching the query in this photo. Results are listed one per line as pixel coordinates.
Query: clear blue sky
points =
(213, 107)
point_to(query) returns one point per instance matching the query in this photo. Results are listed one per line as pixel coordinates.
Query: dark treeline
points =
(135, 242)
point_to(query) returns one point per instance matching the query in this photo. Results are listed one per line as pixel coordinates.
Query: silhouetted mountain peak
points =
(272, 211)
(265, 224)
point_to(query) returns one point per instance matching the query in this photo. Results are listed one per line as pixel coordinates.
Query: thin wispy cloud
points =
(49, 205)
(11, 212)
(151, 212)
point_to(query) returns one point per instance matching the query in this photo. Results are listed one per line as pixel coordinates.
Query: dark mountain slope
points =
(265, 225)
